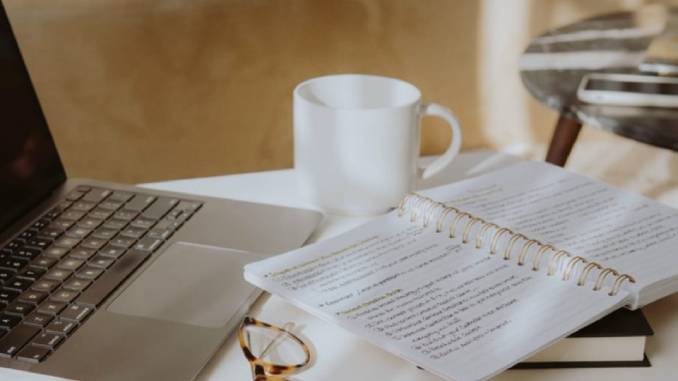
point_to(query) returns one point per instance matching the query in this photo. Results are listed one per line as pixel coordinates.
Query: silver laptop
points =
(101, 281)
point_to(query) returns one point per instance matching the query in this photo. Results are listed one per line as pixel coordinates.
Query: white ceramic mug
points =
(356, 141)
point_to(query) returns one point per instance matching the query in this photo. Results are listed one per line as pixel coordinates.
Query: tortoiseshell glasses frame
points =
(264, 370)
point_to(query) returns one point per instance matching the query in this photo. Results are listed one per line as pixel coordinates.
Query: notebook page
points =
(441, 304)
(615, 228)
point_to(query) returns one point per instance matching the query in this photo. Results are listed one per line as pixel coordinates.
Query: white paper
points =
(617, 229)
(446, 306)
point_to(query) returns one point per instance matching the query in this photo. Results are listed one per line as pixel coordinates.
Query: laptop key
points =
(75, 195)
(104, 233)
(58, 275)
(8, 321)
(101, 262)
(77, 284)
(51, 232)
(39, 243)
(120, 196)
(7, 296)
(63, 295)
(44, 262)
(32, 296)
(33, 354)
(111, 251)
(38, 318)
(15, 245)
(71, 215)
(52, 214)
(89, 223)
(159, 208)
(27, 234)
(70, 264)
(65, 204)
(83, 206)
(5, 275)
(51, 308)
(78, 232)
(16, 339)
(45, 285)
(122, 242)
(32, 273)
(159, 234)
(61, 327)
(110, 205)
(82, 253)
(14, 263)
(96, 195)
(142, 223)
(99, 213)
(139, 202)
(48, 340)
(166, 224)
(93, 243)
(125, 215)
(148, 244)
(89, 273)
(61, 247)
(19, 308)
(189, 206)
(114, 224)
(60, 207)
(178, 216)
(27, 253)
(110, 280)
(18, 284)
(133, 232)
(67, 242)
(76, 312)
(23, 261)
(40, 224)
(63, 223)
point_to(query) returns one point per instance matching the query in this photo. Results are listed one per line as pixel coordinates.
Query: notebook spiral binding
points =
(419, 206)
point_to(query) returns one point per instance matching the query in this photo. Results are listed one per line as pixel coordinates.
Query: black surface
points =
(633, 87)
(621, 323)
(30, 167)
(16, 339)
(584, 364)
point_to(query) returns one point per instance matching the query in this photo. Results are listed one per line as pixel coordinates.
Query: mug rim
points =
(417, 92)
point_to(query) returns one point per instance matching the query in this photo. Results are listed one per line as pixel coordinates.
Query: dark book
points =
(617, 340)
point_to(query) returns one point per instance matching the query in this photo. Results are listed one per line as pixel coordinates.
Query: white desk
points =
(342, 356)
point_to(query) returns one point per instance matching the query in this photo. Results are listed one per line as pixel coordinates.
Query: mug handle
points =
(434, 109)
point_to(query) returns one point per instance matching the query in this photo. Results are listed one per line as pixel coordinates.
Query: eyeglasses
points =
(273, 352)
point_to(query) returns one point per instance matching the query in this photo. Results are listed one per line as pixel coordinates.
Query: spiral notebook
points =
(468, 279)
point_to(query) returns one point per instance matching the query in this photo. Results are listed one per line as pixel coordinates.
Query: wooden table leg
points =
(564, 136)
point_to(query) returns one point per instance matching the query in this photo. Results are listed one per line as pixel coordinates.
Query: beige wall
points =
(143, 90)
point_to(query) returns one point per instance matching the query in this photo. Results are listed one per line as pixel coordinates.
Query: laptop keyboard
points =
(56, 273)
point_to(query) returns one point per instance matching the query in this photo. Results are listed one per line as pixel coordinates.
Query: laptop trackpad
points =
(190, 284)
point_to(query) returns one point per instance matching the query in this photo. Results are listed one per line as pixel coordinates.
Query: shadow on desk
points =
(470, 164)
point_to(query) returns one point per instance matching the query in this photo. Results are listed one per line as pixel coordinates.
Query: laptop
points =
(103, 281)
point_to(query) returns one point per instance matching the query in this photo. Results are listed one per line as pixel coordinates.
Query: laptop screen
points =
(29, 163)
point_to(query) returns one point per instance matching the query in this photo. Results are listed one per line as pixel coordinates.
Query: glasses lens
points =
(274, 346)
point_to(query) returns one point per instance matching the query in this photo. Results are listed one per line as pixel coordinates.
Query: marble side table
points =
(554, 63)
